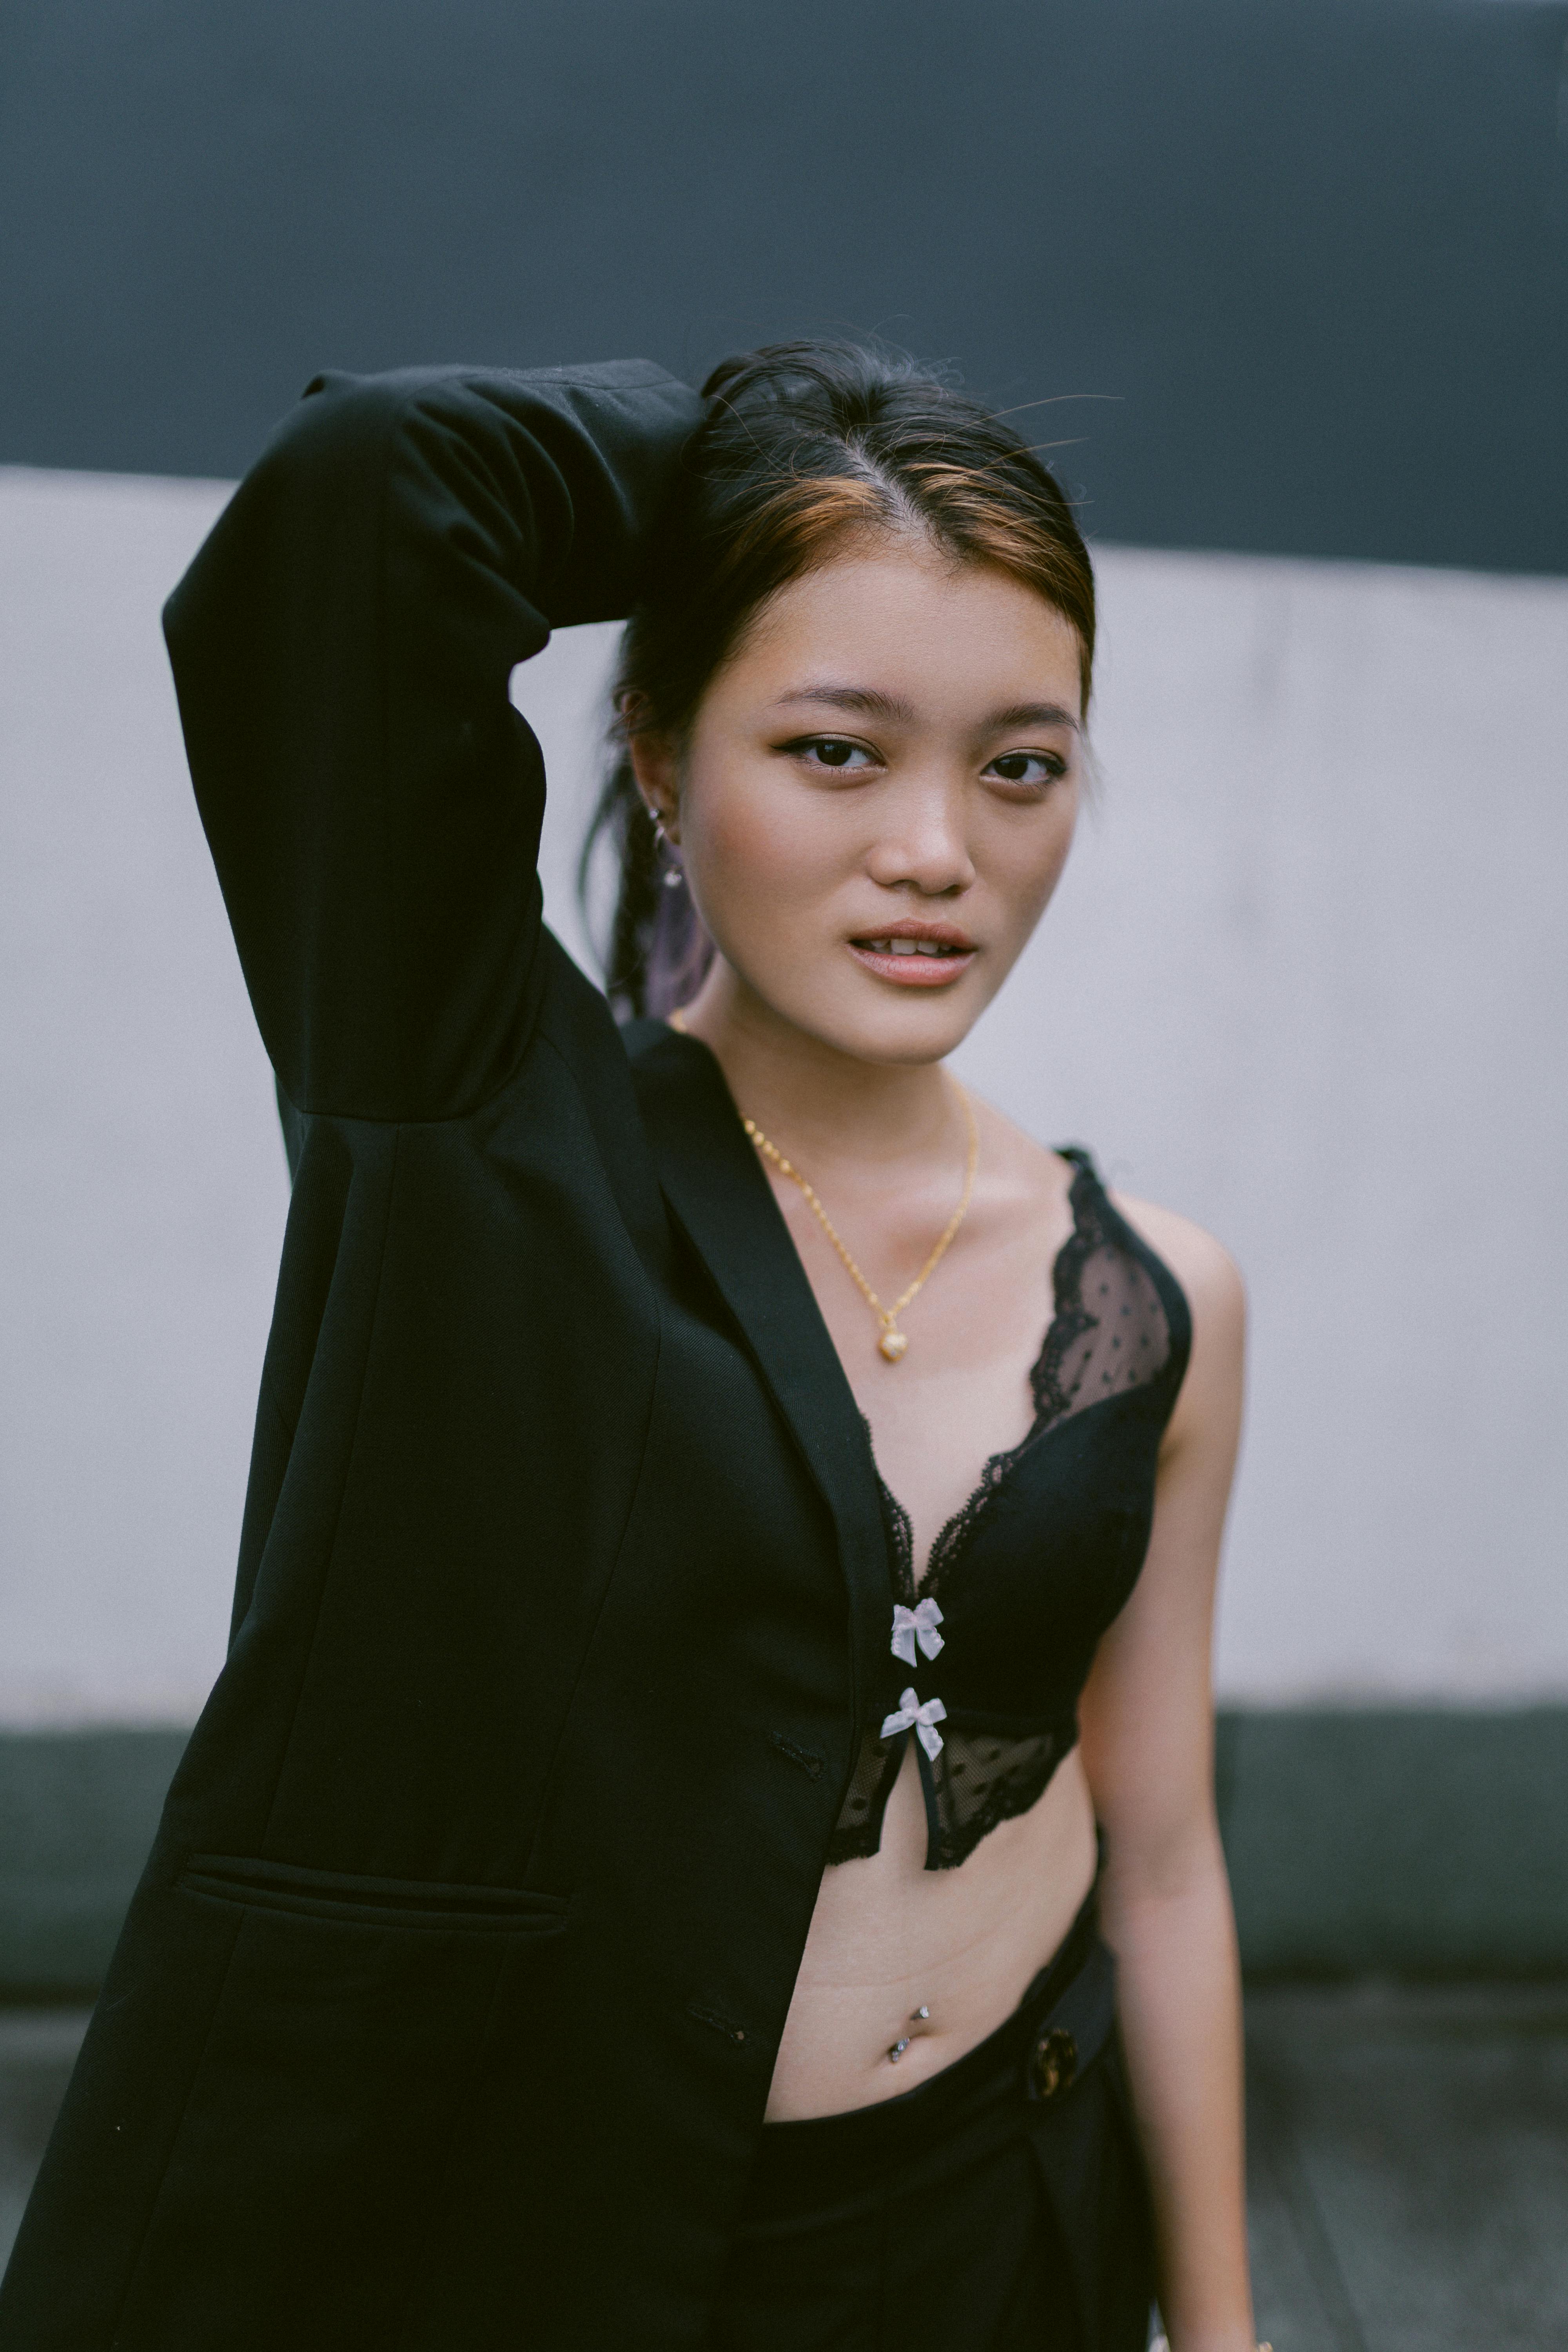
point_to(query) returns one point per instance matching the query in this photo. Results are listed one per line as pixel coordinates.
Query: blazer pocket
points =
(347, 1900)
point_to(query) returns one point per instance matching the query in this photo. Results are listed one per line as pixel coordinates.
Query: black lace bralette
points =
(987, 1658)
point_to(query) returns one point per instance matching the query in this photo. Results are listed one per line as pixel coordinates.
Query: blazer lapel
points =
(711, 1179)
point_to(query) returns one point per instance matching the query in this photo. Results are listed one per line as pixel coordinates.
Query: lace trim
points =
(1056, 1379)
(1020, 1784)
(1052, 1401)
(1068, 1322)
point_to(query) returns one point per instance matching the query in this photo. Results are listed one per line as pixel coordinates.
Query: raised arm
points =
(342, 648)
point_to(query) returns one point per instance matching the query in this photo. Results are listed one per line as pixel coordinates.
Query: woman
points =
(635, 1882)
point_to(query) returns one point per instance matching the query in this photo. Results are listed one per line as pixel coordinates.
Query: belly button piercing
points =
(917, 2017)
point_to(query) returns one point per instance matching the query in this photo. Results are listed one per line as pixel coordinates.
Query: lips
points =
(915, 955)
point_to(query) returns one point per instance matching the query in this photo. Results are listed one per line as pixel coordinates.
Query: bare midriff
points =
(889, 1938)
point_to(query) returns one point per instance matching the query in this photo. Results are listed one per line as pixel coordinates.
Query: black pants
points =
(999, 2206)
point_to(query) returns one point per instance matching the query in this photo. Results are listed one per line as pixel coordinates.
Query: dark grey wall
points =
(1295, 276)
(1414, 1840)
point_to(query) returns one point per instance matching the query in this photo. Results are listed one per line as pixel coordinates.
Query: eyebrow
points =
(869, 702)
(1030, 714)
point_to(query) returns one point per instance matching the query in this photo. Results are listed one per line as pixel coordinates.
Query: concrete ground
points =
(1408, 2159)
(1409, 2166)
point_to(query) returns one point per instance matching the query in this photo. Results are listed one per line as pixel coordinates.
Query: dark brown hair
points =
(803, 446)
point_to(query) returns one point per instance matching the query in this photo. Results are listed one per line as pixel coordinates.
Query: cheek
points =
(1026, 872)
(750, 844)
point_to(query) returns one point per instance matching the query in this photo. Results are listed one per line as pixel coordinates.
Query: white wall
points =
(1308, 982)
(1305, 979)
(142, 1190)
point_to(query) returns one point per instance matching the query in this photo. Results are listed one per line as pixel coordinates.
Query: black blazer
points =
(444, 2017)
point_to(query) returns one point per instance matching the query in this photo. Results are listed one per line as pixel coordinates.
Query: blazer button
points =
(1052, 2063)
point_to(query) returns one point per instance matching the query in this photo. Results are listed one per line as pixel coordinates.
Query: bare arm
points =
(1147, 1741)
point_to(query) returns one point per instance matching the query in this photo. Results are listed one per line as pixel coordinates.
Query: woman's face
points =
(878, 796)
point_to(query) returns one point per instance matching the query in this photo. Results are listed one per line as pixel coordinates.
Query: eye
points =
(1038, 769)
(835, 752)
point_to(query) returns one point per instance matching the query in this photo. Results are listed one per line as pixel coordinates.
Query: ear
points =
(655, 766)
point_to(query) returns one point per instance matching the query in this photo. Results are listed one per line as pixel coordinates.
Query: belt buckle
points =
(1053, 2064)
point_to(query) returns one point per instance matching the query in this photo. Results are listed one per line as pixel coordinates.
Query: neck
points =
(823, 1107)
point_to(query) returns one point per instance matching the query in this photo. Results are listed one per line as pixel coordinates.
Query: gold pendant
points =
(892, 1345)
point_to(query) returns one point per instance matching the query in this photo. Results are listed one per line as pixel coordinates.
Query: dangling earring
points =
(673, 876)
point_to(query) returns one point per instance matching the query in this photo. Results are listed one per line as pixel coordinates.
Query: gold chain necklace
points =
(892, 1342)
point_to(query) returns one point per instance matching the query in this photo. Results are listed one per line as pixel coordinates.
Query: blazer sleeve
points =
(342, 647)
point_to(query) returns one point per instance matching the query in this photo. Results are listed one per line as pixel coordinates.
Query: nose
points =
(922, 846)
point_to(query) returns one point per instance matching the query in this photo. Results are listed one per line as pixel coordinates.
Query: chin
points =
(911, 1031)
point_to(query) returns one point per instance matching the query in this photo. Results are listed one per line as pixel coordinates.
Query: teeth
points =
(907, 947)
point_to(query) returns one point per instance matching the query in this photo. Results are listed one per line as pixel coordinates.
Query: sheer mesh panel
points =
(1110, 1331)
(981, 1778)
(858, 1830)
